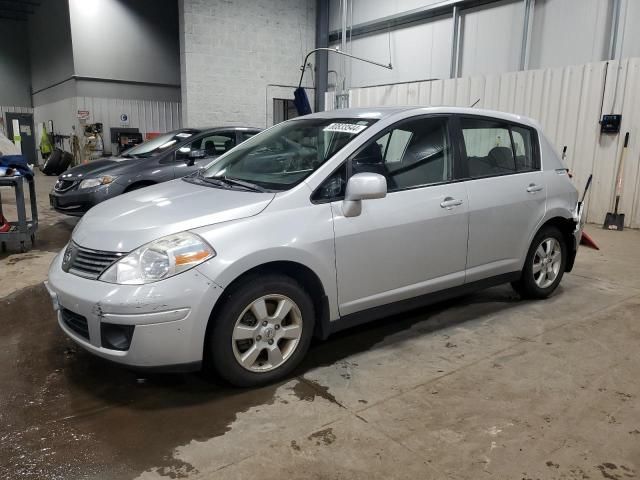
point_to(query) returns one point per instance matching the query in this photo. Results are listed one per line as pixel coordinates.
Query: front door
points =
(26, 133)
(507, 197)
(413, 241)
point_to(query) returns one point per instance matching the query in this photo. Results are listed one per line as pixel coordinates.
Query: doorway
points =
(283, 109)
(26, 133)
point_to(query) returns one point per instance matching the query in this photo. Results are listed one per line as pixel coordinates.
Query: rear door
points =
(507, 196)
(413, 241)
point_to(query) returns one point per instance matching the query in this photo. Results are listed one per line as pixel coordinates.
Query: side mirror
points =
(193, 156)
(362, 186)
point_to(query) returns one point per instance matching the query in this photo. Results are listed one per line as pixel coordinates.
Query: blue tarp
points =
(17, 162)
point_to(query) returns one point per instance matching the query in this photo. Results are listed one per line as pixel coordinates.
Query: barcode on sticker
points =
(344, 128)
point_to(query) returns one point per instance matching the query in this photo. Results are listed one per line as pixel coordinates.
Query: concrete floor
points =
(486, 386)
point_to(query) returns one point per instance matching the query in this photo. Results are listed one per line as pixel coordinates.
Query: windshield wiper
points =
(241, 183)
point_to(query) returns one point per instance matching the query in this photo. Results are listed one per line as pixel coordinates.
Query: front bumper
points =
(169, 317)
(77, 202)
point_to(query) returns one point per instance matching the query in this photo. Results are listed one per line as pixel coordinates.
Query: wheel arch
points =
(567, 227)
(305, 276)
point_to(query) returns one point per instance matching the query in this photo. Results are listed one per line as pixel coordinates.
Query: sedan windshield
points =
(159, 144)
(286, 154)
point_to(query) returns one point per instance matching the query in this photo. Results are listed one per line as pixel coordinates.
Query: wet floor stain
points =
(66, 414)
(323, 437)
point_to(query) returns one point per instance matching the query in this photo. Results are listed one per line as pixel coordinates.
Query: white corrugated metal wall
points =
(567, 102)
(146, 115)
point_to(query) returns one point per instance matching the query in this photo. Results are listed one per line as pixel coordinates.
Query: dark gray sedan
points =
(168, 156)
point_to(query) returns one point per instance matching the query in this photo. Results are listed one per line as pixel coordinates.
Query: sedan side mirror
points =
(195, 155)
(362, 186)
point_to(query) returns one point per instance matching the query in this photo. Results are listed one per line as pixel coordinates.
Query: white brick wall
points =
(233, 50)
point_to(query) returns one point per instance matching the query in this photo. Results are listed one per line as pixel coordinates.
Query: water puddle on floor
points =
(66, 414)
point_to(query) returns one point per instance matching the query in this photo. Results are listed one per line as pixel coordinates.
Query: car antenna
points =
(475, 103)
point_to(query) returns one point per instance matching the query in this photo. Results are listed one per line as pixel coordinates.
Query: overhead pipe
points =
(336, 50)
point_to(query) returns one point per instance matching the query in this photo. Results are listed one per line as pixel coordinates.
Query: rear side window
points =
(488, 146)
(496, 148)
(523, 146)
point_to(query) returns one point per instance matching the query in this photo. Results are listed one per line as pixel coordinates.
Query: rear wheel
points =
(262, 331)
(544, 265)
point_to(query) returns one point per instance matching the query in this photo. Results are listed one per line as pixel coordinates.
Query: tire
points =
(270, 351)
(539, 262)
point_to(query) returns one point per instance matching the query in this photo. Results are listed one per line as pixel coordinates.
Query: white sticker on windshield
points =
(344, 128)
(183, 135)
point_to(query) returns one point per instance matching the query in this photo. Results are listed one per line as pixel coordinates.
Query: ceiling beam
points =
(416, 15)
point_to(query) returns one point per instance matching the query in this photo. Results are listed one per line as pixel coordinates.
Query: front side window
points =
(415, 153)
(212, 145)
(286, 154)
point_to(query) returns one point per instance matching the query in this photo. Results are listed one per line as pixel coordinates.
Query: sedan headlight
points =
(96, 182)
(160, 259)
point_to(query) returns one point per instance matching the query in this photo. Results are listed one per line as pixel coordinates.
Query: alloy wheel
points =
(267, 333)
(547, 261)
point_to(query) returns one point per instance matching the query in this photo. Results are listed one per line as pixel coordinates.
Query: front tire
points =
(262, 331)
(544, 265)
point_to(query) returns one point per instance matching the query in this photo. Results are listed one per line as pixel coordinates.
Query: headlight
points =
(160, 259)
(96, 182)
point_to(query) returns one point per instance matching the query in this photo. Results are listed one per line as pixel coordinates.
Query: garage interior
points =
(487, 385)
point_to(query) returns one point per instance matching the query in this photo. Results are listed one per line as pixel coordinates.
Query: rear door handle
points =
(533, 188)
(450, 202)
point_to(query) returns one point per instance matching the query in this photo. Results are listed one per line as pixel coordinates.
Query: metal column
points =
(527, 26)
(322, 57)
(455, 43)
(615, 24)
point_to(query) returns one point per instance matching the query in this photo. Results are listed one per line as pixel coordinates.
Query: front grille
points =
(64, 185)
(90, 263)
(75, 322)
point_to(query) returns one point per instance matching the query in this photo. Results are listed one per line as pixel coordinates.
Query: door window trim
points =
(450, 122)
(508, 125)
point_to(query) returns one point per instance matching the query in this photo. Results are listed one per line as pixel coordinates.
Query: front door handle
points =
(533, 188)
(450, 202)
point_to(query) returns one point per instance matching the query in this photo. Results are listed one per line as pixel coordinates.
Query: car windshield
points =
(286, 154)
(159, 144)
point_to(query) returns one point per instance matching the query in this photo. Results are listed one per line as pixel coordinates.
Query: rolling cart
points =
(22, 230)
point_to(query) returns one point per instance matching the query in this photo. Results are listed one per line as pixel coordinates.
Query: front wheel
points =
(544, 265)
(262, 331)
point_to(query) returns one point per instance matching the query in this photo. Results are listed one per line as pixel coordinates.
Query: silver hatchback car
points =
(317, 224)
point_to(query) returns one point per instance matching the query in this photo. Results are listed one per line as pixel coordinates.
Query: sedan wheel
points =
(544, 265)
(261, 331)
(547, 262)
(267, 333)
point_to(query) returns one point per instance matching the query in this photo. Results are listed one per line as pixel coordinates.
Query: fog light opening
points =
(116, 337)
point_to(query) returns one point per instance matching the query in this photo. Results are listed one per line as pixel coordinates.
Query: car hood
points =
(94, 168)
(128, 221)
